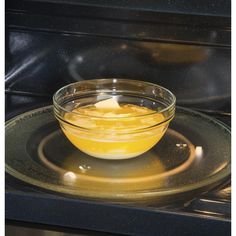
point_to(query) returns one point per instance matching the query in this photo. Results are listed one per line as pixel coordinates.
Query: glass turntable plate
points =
(192, 157)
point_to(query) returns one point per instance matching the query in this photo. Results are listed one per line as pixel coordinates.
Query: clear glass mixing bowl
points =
(115, 136)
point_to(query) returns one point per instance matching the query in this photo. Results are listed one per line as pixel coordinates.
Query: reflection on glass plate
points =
(193, 156)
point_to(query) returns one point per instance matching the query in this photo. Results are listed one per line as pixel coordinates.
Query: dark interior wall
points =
(47, 48)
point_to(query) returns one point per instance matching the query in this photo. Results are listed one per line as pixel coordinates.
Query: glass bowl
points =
(114, 135)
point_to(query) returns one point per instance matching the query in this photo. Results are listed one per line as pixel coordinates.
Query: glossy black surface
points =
(45, 208)
(181, 45)
(145, 30)
(15, 228)
(208, 12)
(208, 7)
(41, 63)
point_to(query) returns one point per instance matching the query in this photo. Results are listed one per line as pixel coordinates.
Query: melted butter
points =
(110, 130)
(125, 118)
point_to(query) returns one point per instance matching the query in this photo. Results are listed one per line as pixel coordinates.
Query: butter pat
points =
(110, 103)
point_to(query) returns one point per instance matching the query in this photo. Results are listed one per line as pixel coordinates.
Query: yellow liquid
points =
(112, 133)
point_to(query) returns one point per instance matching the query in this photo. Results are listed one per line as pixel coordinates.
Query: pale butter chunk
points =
(110, 103)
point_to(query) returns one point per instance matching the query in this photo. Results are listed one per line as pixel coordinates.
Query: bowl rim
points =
(169, 107)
